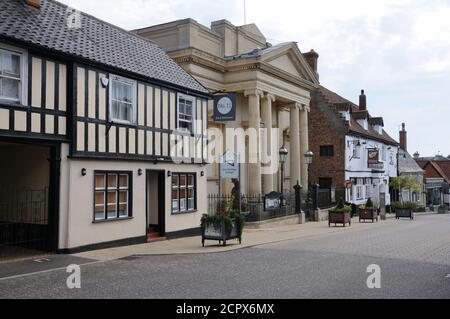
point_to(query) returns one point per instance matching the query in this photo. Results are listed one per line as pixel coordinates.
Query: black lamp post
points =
(283, 152)
(308, 160)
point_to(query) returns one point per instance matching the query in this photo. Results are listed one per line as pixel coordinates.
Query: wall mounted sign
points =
(225, 107)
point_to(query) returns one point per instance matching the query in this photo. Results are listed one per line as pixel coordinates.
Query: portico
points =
(273, 86)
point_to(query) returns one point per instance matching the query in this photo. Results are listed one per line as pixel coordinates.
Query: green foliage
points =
(341, 208)
(405, 205)
(405, 182)
(226, 214)
(369, 203)
(444, 206)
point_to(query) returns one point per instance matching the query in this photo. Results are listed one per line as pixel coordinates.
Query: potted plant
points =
(443, 209)
(404, 209)
(227, 224)
(341, 214)
(368, 212)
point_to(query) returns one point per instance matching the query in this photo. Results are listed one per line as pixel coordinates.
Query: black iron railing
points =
(23, 220)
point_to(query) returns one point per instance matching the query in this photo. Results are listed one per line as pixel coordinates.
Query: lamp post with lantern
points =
(283, 153)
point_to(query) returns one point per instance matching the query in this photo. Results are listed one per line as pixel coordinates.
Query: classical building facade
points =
(354, 157)
(273, 86)
(93, 150)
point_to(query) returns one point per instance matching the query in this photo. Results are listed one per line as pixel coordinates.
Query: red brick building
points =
(352, 152)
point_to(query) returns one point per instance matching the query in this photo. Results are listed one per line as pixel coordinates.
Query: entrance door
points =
(29, 188)
(156, 210)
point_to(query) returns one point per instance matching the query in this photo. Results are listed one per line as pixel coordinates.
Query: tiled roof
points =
(339, 102)
(406, 164)
(96, 41)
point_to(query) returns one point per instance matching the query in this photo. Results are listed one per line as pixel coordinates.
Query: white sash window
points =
(12, 76)
(123, 100)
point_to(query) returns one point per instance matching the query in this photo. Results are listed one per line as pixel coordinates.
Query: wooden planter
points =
(404, 213)
(443, 210)
(339, 218)
(219, 233)
(368, 214)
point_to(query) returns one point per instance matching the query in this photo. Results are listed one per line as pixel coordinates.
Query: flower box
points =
(404, 213)
(368, 214)
(342, 218)
(219, 232)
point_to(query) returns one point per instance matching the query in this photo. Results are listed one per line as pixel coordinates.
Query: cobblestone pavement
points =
(413, 256)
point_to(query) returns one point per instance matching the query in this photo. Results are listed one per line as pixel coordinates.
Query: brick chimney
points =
(34, 3)
(403, 138)
(312, 58)
(362, 101)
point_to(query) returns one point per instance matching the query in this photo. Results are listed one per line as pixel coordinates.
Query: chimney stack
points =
(403, 138)
(34, 3)
(312, 58)
(416, 155)
(362, 101)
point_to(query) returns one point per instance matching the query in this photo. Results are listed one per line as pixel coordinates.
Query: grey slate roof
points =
(406, 164)
(96, 40)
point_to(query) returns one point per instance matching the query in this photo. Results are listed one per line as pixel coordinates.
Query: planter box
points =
(442, 210)
(339, 218)
(368, 214)
(404, 213)
(219, 233)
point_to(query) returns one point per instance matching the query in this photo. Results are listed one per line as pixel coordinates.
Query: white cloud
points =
(398, 50)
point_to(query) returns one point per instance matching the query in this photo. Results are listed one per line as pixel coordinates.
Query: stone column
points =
(266, 116)
(254, 160)
(295, 144)
(304, 145)
(279, 144)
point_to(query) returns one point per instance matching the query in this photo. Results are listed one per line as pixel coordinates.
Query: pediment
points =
(290, 60)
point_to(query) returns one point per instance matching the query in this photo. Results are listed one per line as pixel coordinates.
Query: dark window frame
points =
(117, 189)
(326, 150)
(178, 188)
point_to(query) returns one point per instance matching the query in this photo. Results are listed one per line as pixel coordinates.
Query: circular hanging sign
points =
(224, 105)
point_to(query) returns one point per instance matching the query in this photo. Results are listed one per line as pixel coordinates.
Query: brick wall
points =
(327, 127)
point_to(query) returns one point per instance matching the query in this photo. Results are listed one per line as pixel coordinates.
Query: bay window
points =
(123, 100)
(112, 195)
(183, 193)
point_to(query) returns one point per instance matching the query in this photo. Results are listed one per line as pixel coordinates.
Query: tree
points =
(405, 182)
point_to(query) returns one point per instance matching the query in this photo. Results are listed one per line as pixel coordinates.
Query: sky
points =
(398, 51)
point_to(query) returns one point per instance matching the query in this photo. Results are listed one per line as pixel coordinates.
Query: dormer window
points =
(364, 124)
(379, 129)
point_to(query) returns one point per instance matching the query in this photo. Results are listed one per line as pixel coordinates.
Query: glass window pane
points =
(112, 205)
(175, 181)
(123, 203)
(10, 64)
(123, 181)
(190, 180)
(182, 204)
(174, 194)
(112, 181)
(99, 198)
(191, 204)
(10, 88)
(182, 180)
(112, 198)
(100, 181)
(191, 193)
(175, 205)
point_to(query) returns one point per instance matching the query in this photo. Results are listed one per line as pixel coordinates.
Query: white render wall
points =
(358, 168)
(76, 227)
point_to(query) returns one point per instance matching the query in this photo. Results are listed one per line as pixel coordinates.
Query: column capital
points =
(306, 108)
(270, 97)
(295, 105)
(255, 92)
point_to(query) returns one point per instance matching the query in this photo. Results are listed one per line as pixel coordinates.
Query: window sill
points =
(185, 213)
(111, 220)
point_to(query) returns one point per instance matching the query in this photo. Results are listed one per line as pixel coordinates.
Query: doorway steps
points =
(153, 237)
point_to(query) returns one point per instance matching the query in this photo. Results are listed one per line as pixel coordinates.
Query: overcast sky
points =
(397, 50)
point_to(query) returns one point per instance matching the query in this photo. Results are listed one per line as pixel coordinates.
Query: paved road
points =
(414, 257)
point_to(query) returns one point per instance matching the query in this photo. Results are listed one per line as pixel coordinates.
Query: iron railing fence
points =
(23, 220)
(328, 198)
(252, 206)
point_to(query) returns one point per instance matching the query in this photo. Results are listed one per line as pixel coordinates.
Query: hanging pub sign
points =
(225, 107)
(373, 157)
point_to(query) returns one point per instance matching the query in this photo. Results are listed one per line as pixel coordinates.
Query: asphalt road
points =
(414, 258)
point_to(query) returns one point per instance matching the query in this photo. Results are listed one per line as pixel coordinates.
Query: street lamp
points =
(283, 152)
(308, 161)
